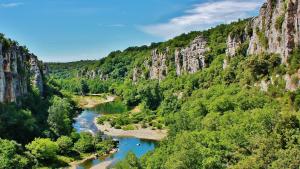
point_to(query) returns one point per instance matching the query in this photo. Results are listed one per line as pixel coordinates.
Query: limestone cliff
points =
(18, 71)
(187, 60)
(192, 58)
(92, 74)
(158, 66)
(276, 29)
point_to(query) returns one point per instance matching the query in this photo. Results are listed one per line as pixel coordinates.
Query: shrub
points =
(279, 22)
(43, 149)
(85, 143)
(65, 144)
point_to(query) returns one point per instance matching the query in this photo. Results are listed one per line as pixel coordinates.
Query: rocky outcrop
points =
(158, 65)
(18, 70)
(292, 82)
(276, 29)
(192, 58)
(92, 74)
(36, 73)
(187, 60)
(234, 43)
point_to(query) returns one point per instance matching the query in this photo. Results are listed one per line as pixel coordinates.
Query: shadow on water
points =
(85, 122)
(110, 108)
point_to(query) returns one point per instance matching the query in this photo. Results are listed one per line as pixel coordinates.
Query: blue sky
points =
(68, 30)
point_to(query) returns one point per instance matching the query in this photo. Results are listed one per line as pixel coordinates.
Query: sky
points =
(70, 30)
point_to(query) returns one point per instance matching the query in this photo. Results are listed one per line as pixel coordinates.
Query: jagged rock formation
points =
(158, 66)
(36, 73)
(17, 68)
(92, 74)
(187, 60)
(234, 42)
(276, 29)
(192, 58)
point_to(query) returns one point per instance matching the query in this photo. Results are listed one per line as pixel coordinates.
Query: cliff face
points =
(192, 58)
(158, 67)
(18, 70)
(187, 60)
(276, 29)
(92, 74)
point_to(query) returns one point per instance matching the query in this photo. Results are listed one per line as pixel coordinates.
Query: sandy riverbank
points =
(102, 165)
(142, 133)
(74, 164)
(91, 101)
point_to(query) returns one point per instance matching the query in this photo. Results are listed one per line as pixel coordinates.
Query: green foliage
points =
(104, 147)
(262, 38)
(16, 119)
(85, 143)
(11, 155)
(43, 149)
(84, 87)
(130, 162)
(279, 21)
(65, 144)
(294, 61)
(59, 118)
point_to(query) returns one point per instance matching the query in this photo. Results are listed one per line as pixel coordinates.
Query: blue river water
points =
(85, 122)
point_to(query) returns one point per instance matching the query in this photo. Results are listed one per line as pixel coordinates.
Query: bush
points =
(85, 144)
(279, 22)
(65, 144)
(43, 149)
(11, 155)
(129, 127)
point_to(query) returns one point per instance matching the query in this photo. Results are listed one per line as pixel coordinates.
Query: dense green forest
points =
(217, 118)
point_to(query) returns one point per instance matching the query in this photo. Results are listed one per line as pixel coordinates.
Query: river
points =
(85, 122)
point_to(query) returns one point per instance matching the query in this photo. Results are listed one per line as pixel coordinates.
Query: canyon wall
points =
(18, 71)
(186, 60)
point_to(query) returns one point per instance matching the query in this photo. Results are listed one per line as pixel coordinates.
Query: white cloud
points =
(10, 5)
(203, 16)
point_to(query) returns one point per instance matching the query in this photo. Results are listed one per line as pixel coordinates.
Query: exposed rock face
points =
(15, 67)
(158, 66)
(36, 72)
(192, 58)
(187, 60)
(234, 42)
(292, 82)
(92, 74)
(276, 29)
(136, 74)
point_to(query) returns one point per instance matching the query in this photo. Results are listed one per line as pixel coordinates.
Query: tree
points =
(84, 87)
(65, 144)
(130, 162)
(85, 144)
(11, 155)
(43, 149)
(59, 118)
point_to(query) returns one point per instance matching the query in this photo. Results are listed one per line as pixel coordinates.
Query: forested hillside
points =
(228, 96)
